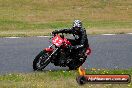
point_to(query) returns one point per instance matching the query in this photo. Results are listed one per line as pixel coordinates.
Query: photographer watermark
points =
(102, 78)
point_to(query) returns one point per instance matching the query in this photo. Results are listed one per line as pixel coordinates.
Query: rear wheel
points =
(41, 61)
(76, 64)
(73, 67)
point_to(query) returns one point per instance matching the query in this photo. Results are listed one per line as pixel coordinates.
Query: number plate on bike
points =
(57, 40)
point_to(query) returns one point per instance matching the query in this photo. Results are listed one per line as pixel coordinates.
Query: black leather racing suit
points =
(81, 40)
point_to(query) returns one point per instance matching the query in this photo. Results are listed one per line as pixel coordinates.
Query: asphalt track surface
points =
(108, 52)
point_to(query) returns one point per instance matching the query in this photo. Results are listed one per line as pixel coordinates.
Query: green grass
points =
(20, 25)
(20, 28)
(40, 17)
(57, 79)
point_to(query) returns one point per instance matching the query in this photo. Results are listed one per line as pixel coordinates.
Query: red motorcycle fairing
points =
(57, 40)
(49, 50)
(67, 42)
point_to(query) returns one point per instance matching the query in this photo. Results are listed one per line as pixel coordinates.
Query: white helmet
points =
(77, 24)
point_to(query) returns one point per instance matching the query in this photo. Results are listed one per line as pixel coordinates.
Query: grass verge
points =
(25, 29)
(57, 79)
(40, 17)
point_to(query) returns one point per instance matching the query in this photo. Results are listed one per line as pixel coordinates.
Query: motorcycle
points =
(59, 54)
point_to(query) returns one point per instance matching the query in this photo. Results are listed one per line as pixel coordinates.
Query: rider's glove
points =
(54, 32)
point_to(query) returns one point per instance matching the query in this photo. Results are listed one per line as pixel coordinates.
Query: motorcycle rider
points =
(80, 42)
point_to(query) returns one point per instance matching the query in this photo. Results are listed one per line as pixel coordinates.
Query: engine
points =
(62, 58)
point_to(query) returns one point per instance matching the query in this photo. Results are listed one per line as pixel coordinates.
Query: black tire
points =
(42, 60)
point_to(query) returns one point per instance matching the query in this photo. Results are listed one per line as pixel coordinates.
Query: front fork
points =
(50, 45)
(51, 50)
(48, 60)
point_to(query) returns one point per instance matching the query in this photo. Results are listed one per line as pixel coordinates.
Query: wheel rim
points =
(41, 61)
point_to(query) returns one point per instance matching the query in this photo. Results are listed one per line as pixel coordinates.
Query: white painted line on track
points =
(43, 36)
(50, 36)
(40, 36)
(108, 34)
(129, 33)
(12, 37)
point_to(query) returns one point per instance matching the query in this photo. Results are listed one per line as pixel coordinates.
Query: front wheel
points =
(41, 61)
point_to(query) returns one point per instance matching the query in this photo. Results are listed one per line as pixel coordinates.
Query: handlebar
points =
(62, 36)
